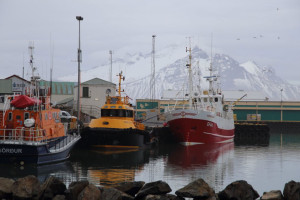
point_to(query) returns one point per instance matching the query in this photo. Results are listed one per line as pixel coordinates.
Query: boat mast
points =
(120, 79)
(189, 65)
(211, 79)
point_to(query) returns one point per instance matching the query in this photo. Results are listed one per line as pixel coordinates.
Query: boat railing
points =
(22, 134)
(60, 145)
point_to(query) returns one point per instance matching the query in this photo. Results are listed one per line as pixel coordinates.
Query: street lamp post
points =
(79, 18)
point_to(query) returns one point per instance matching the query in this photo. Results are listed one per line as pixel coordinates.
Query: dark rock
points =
(74, 189)
(90, 192)
(292, 191)
(238, 190)
(26, 188)
(130, 188)
(174, 197)
(162, 197)
(156, 197)
(158, 187)
(52, 187)
(198, 189)
(6, 188)
(114, 194)
(59, 197)
(272, 195)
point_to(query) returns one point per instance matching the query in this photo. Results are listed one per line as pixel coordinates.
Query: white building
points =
(93, 95)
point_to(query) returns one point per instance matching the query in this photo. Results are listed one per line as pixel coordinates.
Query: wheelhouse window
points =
(116, 113)
(10, 116)
(26, 115)
(85, 92)
(216, 99)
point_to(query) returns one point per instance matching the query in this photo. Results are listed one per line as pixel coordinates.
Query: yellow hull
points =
(116, 123)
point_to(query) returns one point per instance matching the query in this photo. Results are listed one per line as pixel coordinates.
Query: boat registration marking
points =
(12, 151)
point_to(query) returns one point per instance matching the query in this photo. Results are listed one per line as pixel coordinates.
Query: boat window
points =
(120, 106)
(53, 115)
(205, 99)
(199, 99)
(129, 113)
(210, 99)
(113, 100)
(216, 99)
(10, 116)
(121, 113)
(116, 113)
(104, 112)
(26, 115)
(113, 107)
(46, 116)
(18, 116)
(113, 113)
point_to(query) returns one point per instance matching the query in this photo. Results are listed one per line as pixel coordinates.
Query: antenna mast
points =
(110, 69)
(152, 80)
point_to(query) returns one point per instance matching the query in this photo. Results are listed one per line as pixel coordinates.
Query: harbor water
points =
(266, 166)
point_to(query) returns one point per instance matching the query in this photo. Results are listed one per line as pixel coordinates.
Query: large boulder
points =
(272, 195)
(130, 188)
(162, 197)
(59, 197)
(114, 194)
(26, 188)
(6, 188)
(90, 192)
(238, 190)
(52, 187)
(157, 187)
(292, 191)
(197, 189)
(74, 189)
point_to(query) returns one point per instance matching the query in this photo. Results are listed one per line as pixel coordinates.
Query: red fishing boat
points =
(205, 118)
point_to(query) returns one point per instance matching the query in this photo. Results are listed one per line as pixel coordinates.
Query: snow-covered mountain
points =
(171, 73)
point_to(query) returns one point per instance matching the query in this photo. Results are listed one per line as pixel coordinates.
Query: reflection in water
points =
(207, 161)
(62, 170)
(265, 167)
(198, 155)
(102, 167)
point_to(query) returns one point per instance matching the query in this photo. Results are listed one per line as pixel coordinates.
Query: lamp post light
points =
(79, 59)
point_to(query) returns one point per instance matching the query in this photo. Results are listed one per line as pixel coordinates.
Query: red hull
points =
(195, 131)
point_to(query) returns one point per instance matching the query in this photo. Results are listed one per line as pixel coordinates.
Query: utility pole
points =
(79, 60)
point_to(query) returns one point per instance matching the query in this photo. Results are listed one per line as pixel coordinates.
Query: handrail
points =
(18, 134)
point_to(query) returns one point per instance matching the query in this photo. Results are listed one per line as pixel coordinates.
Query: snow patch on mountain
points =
(172, 73)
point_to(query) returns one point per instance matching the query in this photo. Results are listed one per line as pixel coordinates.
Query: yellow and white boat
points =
(117, 127)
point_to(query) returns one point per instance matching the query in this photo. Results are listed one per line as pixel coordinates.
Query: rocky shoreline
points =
(29, 187)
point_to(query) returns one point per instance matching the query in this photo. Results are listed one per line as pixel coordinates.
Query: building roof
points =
(59, 88)
(5, 86)
(16, 76)
(233, 95)
(97, 81)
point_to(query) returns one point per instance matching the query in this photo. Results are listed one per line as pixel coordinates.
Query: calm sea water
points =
(266, 167)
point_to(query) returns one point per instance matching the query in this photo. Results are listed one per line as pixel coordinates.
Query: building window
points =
(85, 91)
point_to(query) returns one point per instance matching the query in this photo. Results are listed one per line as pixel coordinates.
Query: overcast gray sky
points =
(265, 31)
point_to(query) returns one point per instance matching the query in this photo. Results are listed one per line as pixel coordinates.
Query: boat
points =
(116, 127)
(31, 130)
(204, 119)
